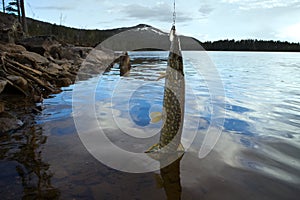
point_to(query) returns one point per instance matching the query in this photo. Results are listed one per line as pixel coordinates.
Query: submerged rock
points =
(8, 122)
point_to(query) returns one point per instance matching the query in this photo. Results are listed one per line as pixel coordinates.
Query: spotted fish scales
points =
(173, 102)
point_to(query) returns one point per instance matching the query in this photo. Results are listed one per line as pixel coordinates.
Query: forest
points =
(250, 45)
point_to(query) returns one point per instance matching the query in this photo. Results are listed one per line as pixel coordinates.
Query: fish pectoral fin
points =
(155, 117)
(159, 181)
(153, 148)
(180, 148)
(162, 75)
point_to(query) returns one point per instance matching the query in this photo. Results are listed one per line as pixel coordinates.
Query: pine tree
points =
(14, 8)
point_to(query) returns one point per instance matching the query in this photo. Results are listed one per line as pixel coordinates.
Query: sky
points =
(206, 20)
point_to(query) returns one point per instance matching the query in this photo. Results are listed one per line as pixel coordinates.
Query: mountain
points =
(139, 34)
(145, 37)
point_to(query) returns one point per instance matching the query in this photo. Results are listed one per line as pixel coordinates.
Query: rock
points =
(54, 68)
(1, 107)
(8, 122)
(124, 64)
(36, 57)
(19, 81)
(39, 44)
(55, 52)
(83, 76)
(38, 98)
(11, 48)
(2, 85)
(66, 66)
(63, 82)
(74, 53)
(66, 74)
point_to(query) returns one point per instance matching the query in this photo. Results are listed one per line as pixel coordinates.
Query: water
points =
(256, 157)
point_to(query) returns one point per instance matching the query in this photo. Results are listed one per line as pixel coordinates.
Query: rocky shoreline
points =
(38, 66)
(33, 69)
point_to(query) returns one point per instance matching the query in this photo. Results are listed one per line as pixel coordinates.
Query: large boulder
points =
(11, 48)
(74, 53)
(35, 57)
(40, 44)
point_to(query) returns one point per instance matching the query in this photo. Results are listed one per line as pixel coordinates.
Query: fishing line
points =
(174, 13)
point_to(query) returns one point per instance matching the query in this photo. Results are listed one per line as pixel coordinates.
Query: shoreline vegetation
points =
(251, 45)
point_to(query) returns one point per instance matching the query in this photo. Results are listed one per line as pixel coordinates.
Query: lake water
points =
(256, 157)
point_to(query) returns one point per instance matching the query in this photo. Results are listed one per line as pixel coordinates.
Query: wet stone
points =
(63, 82)
(8, 122)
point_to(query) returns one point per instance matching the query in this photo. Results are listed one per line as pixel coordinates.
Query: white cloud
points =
(70, 7)
(264, 4)
(205, 10)
(160, 12)
(291, 33)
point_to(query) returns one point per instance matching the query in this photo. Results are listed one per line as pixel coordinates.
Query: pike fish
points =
(173, 102)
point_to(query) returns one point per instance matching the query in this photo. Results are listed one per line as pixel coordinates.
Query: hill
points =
(83, 37)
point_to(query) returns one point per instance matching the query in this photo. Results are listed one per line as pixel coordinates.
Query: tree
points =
(14, 7)
(24, 21)
(18, 6)
(3, 4)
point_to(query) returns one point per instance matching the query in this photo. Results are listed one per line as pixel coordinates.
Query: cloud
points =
(265, 4)
(205, 10)
(291, 32)
(55, 7)
(160, 12)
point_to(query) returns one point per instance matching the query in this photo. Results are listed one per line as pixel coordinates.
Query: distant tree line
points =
(250, 45)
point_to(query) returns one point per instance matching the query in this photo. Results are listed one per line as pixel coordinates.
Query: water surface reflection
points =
(24, 173)
(257, 156)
